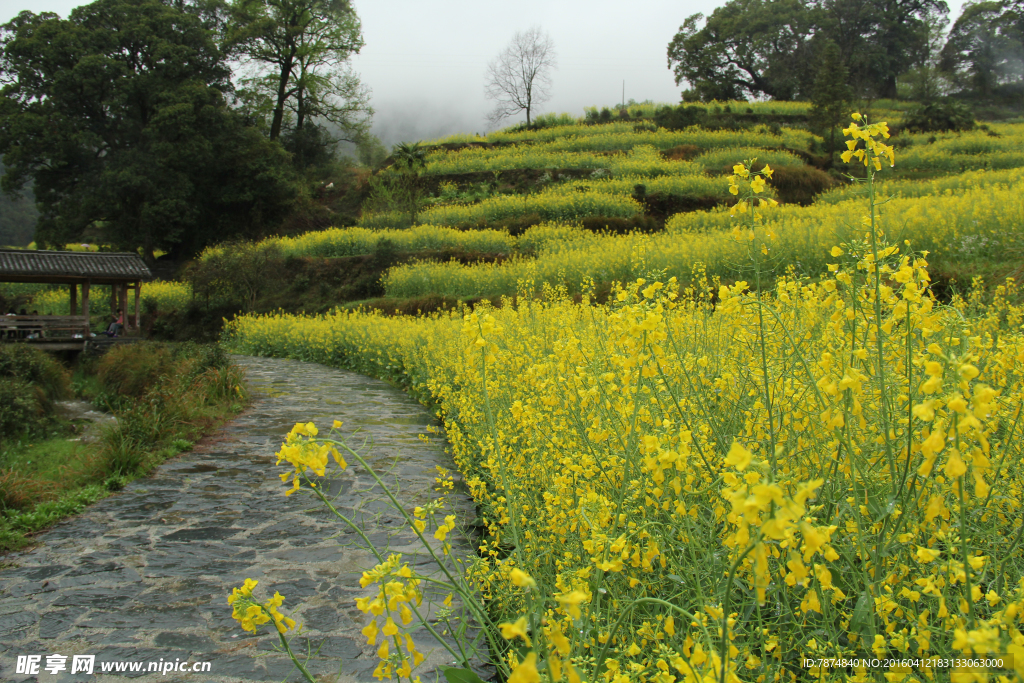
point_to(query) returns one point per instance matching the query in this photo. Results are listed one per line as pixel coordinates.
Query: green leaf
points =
(863, 620)
(460, 675)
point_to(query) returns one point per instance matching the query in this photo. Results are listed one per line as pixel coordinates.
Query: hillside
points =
(604, 198)
(762, 435)
(567, 201)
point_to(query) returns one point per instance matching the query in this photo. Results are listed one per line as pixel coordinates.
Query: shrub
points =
(678, 118)
(800, 184)
(37, 368)
(20, 406)
(621, 226)
(129, 371)
(939, 116)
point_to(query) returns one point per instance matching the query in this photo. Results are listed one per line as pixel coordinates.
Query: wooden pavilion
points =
(81, 271)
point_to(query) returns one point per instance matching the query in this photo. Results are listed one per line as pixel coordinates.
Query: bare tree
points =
(520, 77)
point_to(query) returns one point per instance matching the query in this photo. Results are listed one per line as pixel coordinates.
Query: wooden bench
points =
(42, 327)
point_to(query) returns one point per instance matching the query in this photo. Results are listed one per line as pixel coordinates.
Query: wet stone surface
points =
(143, 575)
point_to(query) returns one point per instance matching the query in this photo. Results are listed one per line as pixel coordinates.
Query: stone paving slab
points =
(143, 575)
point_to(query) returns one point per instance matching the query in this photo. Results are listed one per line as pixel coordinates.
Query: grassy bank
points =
(162, 397)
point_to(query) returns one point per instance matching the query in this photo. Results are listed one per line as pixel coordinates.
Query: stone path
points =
(143, 575)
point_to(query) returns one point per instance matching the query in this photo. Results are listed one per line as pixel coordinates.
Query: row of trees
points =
(172, 124)
(780, 48)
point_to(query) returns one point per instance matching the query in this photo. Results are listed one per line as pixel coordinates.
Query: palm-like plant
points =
(410, 158)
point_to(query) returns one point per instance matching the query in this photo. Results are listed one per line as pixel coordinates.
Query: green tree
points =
(880, 39)
(410, 160)
(396, 189)
(770, 47)
(298, 51)
(984, 50)
(746, 48)
(830, 96)
(17, 217)
(118, 117)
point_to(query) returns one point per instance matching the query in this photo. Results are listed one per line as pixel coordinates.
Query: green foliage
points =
(396, 193)
(299, 48)
(37, 368)
(750, 48)
(236, 271)
(746, 47)
(15, 524)
(985, 48)
(20, 407)
(939, 117)
(128, 372)
(165, 164)
(830, 97)
(549, 120)
(370, 151)
(678, 118)
(17, 217)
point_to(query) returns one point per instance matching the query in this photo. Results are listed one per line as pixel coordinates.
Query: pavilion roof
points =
(25, 265)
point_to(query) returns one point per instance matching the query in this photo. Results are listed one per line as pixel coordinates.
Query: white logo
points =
(82, 664)
(28, 664)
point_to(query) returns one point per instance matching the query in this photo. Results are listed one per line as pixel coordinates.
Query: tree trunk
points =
(889, 90)
(282, 90)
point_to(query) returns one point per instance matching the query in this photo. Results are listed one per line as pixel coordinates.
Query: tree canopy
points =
(297, 50)
(118, 116)
(769, 48)
(984, 50)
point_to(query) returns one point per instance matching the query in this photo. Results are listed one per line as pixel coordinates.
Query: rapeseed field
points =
(803, 474)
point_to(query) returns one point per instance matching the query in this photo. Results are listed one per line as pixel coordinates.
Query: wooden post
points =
(85, 307)
(113, 298)
(122, 300)
(74, 299)
(138, 286)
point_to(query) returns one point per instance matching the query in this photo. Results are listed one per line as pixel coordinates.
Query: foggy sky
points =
(425, 62)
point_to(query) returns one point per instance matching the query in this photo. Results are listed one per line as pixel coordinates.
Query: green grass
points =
(46, 457)
(15, 526)
(164, 397)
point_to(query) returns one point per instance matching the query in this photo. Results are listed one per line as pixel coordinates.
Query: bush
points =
(936, 117)
(161, 393)
(131, 371)
(621, 226)
(678, 118)
(128, 372)
(20, 406)
(37, 368)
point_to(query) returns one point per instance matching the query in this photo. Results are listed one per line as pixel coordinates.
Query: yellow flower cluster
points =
(948, 225)
(954, 184)
(335, 242)
(622, 135)
(397, 596)
(640, 160)
(252, 614)
(754, 185)
(306, 454)
(168, 296)
(604, 467)
(872, 151)
(708, 483)
(559, 203)
(999, 147)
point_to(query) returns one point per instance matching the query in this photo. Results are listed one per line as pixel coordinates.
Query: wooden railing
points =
(43, 327)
